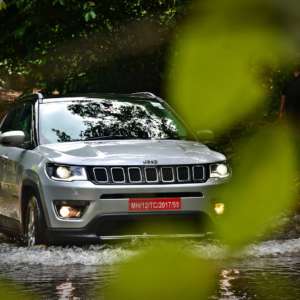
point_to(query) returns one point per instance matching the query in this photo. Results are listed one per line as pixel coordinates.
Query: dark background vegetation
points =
(104, 46)
(107, 45)
(69, 45)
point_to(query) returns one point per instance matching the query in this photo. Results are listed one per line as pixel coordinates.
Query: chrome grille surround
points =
(203, 173)
(178, 173)
(113, 175)
(147, 177)
(130, 175)
(162, 174)
(163, 170)
(105, 170)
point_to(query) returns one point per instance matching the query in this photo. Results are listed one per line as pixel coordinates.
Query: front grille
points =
(151, 174)
(148, 174)
(101, 174)
(118, 174)
(167, 174)
(198, 172)
(183, 173)
(135, 174)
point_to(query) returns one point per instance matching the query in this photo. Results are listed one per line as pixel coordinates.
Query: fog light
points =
(69, 212)
(219, 208)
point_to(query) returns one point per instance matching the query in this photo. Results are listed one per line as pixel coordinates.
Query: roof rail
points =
(30, 96)
(40, 96)
(147, 95)
(144, 94)
(43, 94)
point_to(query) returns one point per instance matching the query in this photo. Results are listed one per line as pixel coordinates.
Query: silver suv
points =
(94, 167)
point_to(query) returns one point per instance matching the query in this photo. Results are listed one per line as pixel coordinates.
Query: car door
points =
(1, 161)
(2, 167)
(20, 118)
(5, 208)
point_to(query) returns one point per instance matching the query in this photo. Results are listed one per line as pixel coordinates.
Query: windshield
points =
(107, 119)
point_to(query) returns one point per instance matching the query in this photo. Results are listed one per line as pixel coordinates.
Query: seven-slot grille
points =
(148, 174)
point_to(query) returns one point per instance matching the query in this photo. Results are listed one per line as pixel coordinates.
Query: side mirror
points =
(12, 138)
(205, 136)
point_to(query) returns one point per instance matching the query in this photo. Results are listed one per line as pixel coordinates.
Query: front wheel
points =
(34, 227)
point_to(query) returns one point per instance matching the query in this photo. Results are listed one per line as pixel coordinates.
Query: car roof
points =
(49, 98)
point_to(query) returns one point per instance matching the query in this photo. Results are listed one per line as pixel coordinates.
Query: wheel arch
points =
(29, 189)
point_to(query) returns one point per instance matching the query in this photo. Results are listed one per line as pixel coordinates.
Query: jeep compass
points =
(94, 167)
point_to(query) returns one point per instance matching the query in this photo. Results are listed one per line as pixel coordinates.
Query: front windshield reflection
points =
(108, 119)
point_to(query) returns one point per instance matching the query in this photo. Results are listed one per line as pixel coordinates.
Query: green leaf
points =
(90, 15)
(61, 2)
(19, 32)
(216, 79)
(93, 14)
(163, 272)
(2, 5)
(262, 187)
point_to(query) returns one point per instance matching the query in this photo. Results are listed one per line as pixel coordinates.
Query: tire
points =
(34, 225)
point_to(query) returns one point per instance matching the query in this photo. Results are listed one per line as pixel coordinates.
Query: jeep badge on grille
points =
(150, 162)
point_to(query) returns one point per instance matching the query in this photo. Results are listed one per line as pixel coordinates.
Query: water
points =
(263, 278)
(77, 272)
(60, 272)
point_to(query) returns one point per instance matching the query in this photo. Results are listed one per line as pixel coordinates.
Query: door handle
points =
(4, 156)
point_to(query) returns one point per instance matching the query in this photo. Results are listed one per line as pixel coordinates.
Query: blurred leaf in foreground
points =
(262, 186)
(219, 58)
(2, 5)
(216, 81)
(164, 272)
(11, 291)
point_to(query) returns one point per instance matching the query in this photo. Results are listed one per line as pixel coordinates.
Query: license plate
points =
(154, 204)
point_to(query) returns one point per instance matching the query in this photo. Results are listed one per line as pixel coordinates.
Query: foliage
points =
(2, 5)
(223, 53)
(217, 81)
(222, 59)
(80, 45)
(11, 291)
(151, 275)
(219, 56)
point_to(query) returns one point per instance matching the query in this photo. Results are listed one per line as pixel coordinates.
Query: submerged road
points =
(82, 272)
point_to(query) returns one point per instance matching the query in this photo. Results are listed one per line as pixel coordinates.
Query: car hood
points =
(130, 152)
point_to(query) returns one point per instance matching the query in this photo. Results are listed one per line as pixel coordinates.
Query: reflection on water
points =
(75, 272)
(60, 273)
(65, 282)
(225, 287)
(275, 278)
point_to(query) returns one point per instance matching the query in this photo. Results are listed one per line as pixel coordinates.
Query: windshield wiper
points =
(112, 137)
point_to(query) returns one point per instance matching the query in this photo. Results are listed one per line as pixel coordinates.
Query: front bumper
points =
(108, 211)
(129, 226)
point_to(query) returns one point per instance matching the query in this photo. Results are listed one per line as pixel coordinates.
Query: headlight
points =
(66, 173)
(219, 170)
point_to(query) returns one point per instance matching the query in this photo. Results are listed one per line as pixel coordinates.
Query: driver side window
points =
(19, 118)
(25, 123)
(8, 123)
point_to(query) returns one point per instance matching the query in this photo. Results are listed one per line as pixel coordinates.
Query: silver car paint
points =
(18, 165)
(31, 166)
(130, 152)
